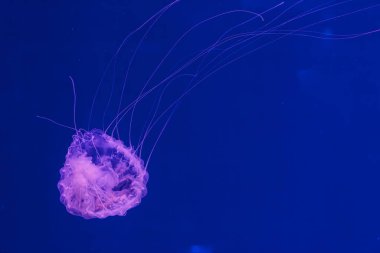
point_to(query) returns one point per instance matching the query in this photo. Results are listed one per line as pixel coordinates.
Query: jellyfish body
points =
(101, 176)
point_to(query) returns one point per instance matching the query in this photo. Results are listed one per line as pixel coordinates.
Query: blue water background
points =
(278, 152)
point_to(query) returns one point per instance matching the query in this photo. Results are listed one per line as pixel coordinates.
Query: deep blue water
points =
(277, 152)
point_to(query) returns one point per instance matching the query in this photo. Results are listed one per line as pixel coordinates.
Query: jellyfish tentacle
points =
(74, 103)
(55, 122)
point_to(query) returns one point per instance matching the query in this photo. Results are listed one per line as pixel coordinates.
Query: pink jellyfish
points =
(102, 176)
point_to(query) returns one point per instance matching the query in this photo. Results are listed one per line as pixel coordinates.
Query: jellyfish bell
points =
(101, 176)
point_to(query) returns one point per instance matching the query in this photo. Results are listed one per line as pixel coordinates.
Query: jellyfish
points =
(103, 176)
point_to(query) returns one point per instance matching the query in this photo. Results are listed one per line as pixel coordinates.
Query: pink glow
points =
(101, 177)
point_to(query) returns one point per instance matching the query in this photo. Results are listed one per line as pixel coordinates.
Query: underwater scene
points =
(190, 126)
